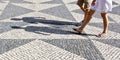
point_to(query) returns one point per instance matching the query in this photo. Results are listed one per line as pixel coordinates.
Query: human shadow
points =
(43, 20)
(49, 30)
(43, 30)
(6, 26)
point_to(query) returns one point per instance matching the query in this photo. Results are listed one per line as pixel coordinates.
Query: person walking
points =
(85, 7)
(102, 6)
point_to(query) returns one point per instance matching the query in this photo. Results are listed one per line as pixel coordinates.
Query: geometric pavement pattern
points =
(42, 30)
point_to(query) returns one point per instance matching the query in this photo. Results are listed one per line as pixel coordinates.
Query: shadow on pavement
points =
(46, 30)
(43, 20)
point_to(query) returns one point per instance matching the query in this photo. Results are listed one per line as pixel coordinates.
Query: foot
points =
(80, 23)
(102, 35)
(77, 30)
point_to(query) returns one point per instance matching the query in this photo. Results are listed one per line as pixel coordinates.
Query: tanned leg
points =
(81, 5)
(82, 8)
(105, 25)
(86, 12)
(86, 21)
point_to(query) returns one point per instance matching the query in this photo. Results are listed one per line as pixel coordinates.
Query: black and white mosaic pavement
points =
(42, 30)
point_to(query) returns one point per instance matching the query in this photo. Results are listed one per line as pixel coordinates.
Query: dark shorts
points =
(85, 3)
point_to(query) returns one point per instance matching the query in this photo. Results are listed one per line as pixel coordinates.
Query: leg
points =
(86, 12)
(86, 21)
(87, 5)
(105, 24)
(80, 3)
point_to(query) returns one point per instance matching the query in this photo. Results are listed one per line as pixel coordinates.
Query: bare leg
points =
(80, 3)
(86, 12)
(86, 21)
(105, 24)
(82, 8)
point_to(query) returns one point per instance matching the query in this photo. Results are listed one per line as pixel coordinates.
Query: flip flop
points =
(76, 30)
(101, 35)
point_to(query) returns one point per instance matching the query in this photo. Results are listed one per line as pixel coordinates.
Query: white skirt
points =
(102, 6)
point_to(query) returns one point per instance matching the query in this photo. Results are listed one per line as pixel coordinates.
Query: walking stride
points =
(101, 6)
(85, 7)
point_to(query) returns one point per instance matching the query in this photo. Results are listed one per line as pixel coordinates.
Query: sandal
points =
(101, 35)
(77, 30)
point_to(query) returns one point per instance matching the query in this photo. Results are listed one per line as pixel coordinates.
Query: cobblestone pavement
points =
(42, 30)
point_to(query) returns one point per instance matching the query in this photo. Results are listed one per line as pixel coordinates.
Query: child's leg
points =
(105, 23)
(86, 21)
(86, 12)
(87, 4)
(80, 3)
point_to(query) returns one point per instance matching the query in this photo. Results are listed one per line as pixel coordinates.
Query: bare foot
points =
(102, 35)
(77, 30)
